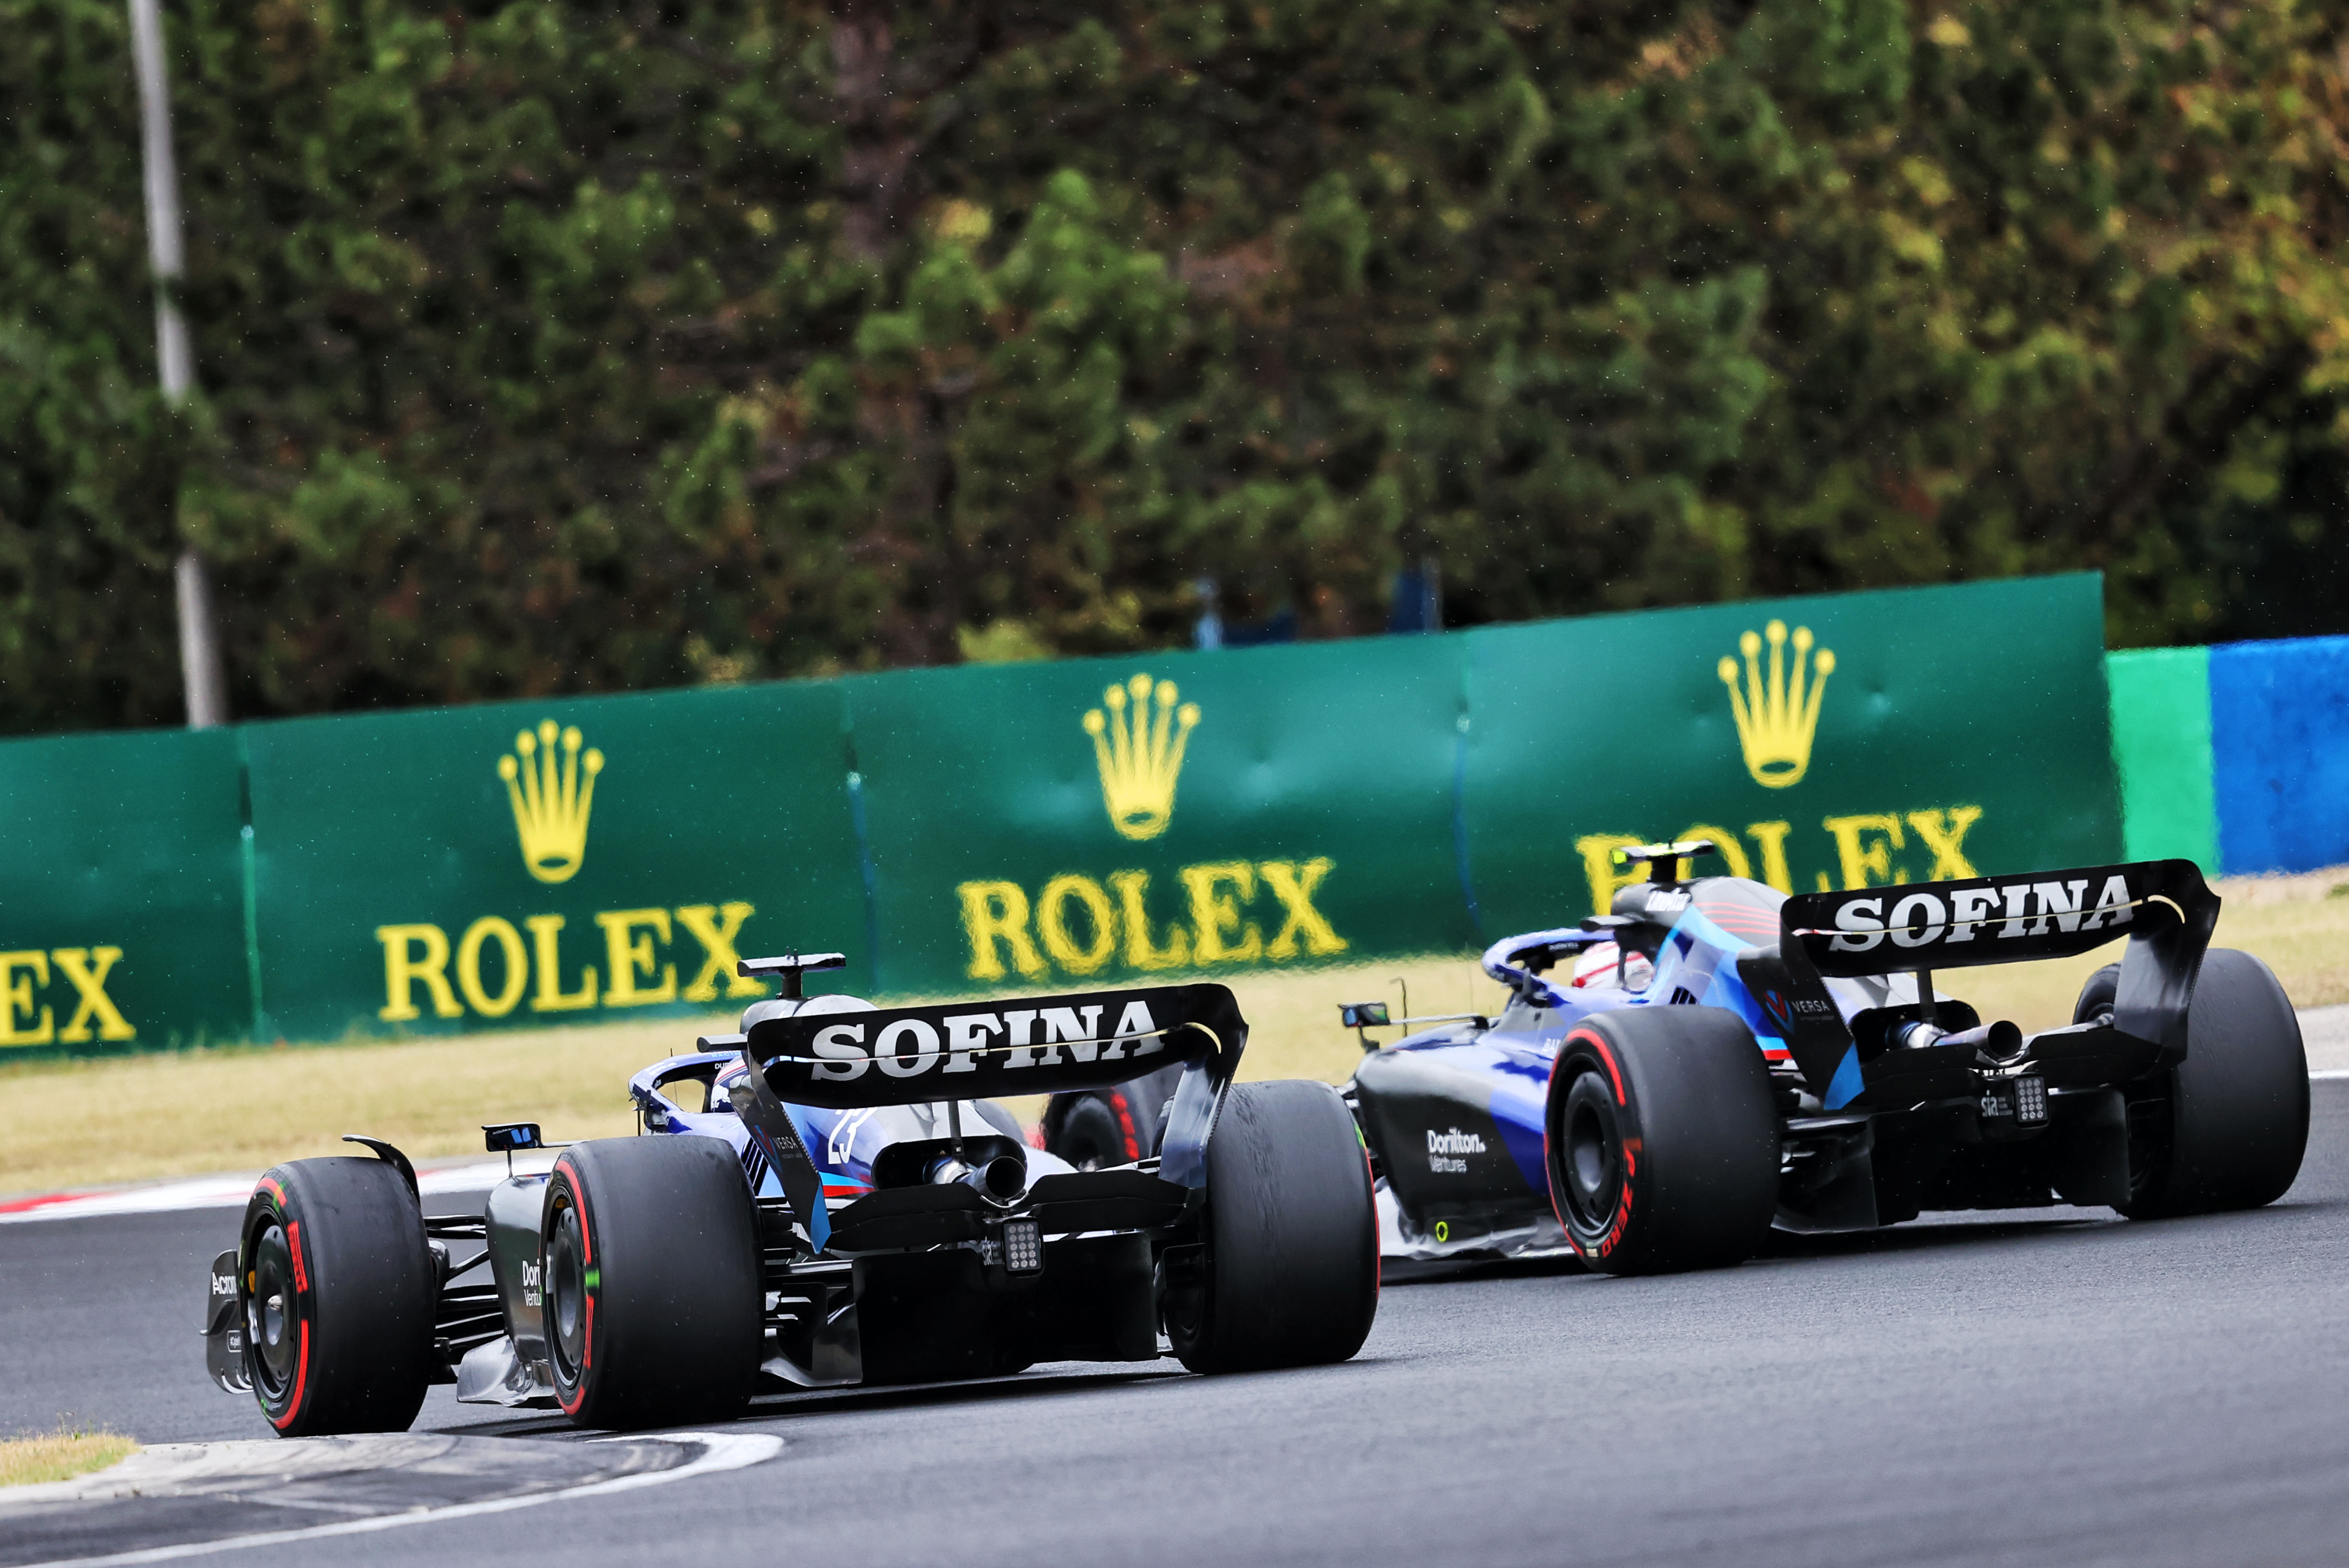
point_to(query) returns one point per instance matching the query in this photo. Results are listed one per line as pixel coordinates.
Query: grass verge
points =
(60, 1456)
(74, 1123)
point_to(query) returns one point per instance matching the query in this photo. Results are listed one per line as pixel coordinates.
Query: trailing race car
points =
(808, 1209)
(1716, 1057)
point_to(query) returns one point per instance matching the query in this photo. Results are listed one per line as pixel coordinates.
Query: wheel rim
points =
(1590, 1159)
(567, 1290)
(270, 1321)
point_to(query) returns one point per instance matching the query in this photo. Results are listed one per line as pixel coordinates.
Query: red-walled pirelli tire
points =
(653, 1298)
(1662, 1140)
(2226, 1128)
(338, 1291)
(1289, 1275)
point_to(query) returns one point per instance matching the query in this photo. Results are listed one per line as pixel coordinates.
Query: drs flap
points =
(1027, 1045)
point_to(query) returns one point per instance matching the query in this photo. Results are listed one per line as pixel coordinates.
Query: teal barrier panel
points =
(2161, 745)
(1209, 813)
(1909, 735)
(122, 903)
(518, 865)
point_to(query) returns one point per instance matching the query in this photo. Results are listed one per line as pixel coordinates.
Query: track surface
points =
(2068, 1390)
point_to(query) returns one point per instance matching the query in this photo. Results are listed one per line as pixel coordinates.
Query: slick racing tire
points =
(1096, 1129)
(2225, 1128)
(337, 1287)
(1287, 1272)
(653, 1298)
(1662, 1140)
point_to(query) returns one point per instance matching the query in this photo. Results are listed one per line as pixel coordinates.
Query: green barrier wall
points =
(404, 883)
(1035, 825)
(1827, 742)
(1259, 806)
(122, 900)
(2161, 743)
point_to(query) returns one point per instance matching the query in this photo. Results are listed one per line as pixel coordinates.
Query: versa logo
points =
(551, 800)
(1139, 756)
(1777, 718)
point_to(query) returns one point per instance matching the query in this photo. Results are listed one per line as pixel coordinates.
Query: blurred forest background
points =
(548, 346)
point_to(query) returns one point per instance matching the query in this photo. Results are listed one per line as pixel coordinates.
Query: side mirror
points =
(1363, 1014)
(507, 1138)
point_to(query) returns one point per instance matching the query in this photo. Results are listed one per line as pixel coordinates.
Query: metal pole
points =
(199, 661)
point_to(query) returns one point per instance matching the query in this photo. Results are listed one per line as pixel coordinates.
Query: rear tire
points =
(1288, 1272)
(337, 1287)
(2226, 1128)
(1095, 1128)
(1662, 1140)
(653, 1296)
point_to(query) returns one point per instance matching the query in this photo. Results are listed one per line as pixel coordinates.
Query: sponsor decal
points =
(637, 972)
(533, 1281)
(1076, 926)
(1864, 848)
(1777, 716)
(1214, 913)
(551, 799)
(1014, 1038)
(224, 1284)
(1445, 1150)
(1995, 912)
(25, 1022)
(1140, 754)
(497, 963)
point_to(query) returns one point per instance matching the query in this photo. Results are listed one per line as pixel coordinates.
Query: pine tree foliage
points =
(547, 346)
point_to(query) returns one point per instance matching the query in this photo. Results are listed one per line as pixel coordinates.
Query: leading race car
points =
(1713, 1057)
(825, 1198)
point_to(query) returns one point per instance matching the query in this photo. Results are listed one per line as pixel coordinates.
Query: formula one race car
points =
(1714, 1057)
(804, 1206)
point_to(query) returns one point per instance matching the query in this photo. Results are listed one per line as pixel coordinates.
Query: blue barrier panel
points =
(2279, 754)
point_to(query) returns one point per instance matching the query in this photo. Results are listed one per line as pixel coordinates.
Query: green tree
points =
(547, 346)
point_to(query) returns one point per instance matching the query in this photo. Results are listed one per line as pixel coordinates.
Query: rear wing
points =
(2163, 907)
(968, 1051)
(974, 1051)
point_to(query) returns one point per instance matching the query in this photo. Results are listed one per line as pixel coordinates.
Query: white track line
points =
(721, 1451)
(230, 1192)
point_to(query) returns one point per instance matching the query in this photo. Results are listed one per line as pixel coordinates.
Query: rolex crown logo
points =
(1776, 717)
(551, 799)
(1140, 753)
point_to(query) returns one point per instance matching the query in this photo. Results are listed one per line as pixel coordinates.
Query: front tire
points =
(653, 1298)
(1287, 1273)
(337, 1286)
(1662, 1140)
(2227, 1127)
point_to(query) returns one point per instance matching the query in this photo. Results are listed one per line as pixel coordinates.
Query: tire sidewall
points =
(1586, 1059)
(668, 1281)
(1698, 1139)
(363, 1303)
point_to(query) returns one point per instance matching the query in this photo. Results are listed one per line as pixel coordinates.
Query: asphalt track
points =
(2050, 1387)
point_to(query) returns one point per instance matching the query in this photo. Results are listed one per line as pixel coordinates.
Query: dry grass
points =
(60, 1456)
(66, 1124)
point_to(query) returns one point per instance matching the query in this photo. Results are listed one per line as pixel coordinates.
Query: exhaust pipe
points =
(2000, 1041)
(1000, 1180)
